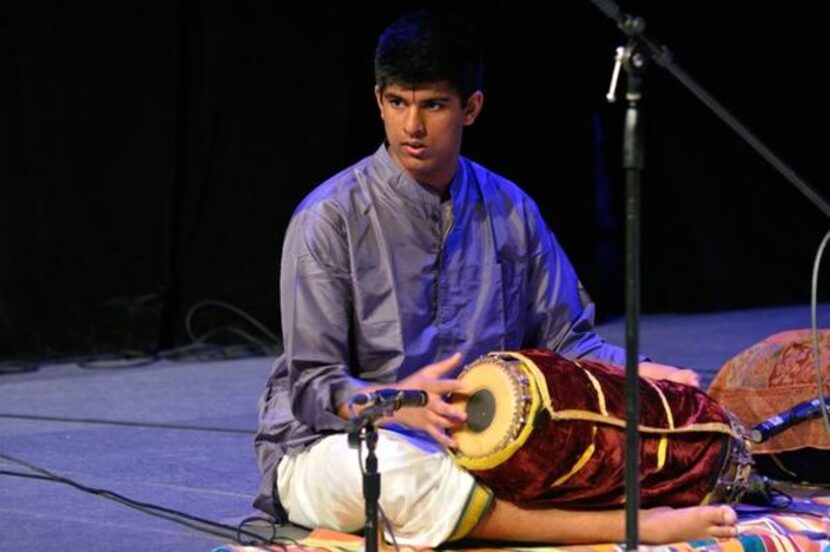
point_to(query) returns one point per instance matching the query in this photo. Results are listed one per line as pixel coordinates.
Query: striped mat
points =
(803, 528)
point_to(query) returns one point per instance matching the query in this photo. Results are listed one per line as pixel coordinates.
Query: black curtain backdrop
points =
(151, 154)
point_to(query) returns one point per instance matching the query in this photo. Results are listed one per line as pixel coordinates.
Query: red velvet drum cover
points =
(572, 453)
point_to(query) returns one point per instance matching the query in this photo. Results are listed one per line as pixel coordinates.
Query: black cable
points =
(169, 514)
(199, 348)
(17, 366)
(251, 519)
(200, 351)
(388, 525)
(209, 352)
(760, 492)
(125, 359)
(64, 419)
(221, 304)
(265, 347)
(149, 509)
(820, 382)
(271, 348)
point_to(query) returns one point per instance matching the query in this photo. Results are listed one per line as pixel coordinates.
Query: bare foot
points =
(657, 371)
(666, 525)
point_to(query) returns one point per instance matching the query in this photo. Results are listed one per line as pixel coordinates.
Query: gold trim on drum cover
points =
(589, 452)
(591, 449)
(538, 379)
(603, 407)
(537, 392)
(662, 448)
(588, 416)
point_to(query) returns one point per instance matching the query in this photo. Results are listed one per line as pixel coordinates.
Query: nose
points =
(414, 122)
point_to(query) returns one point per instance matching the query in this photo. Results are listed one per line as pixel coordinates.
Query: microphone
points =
(397, 398)
(783, 420)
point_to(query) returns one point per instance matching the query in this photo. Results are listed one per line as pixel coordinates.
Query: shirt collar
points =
(403, 183)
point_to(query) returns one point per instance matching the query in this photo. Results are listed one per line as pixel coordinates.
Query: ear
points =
(473, 107)
(379, 99)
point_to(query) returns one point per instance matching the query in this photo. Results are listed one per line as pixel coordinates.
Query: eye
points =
(395, 102)
(434, 105)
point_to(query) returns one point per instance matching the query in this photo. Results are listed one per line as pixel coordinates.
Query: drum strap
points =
(537, 382)
(663, 447)
(605, 418)
(537, 378)
(589, 452)
(587, 416)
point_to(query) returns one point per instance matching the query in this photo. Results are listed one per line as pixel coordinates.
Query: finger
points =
(443, 422)
(436, 388)
(423, 418)
(723, 531)
(728, 515)
(442, 386)
(442, 367)
(446, 410)
(441, 437)
(690, 378)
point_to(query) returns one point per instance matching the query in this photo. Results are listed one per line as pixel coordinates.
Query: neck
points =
(437, 181)
(442, 189)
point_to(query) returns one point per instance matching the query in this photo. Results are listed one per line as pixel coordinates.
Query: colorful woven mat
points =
(780, 532)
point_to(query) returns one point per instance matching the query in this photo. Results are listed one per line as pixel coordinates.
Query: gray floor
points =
(206, 467)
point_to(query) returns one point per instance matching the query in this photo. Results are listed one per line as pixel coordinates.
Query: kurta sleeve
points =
(315, 298)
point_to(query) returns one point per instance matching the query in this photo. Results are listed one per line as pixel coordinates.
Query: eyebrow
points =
(438, 98)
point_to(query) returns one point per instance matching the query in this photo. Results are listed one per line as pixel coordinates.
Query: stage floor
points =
(180, 435)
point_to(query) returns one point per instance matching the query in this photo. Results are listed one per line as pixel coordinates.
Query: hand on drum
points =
(654, 370)
(438, 415)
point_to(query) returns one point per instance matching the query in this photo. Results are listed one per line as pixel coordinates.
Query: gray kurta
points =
(380, 278)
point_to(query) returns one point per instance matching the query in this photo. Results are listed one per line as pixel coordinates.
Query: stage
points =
(180, 435)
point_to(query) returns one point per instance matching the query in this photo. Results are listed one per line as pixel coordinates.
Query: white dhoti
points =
(426, 497)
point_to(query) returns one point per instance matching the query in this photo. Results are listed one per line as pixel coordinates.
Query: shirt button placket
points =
(440, 288)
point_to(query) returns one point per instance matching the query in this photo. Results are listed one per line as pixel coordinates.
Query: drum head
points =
(494, 399)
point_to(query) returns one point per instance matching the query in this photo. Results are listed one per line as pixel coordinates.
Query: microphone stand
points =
(634, 27)
(633, 59)
(634, 62)
(363, 428)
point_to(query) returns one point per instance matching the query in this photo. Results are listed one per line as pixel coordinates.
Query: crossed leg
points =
(506, 521)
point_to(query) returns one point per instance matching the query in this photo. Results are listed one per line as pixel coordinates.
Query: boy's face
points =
(424, 127)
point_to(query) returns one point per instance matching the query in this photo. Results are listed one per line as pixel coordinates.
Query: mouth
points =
(415, 149)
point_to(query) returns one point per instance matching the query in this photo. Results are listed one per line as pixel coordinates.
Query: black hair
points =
(427, 47)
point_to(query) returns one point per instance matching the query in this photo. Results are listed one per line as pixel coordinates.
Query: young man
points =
(396, 272)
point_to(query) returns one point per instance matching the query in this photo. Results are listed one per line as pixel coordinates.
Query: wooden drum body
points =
(544, 430)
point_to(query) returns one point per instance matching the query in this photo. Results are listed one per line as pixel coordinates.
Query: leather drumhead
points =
(493, 399)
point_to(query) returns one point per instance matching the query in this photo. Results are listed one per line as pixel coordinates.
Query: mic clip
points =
(396, 398)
